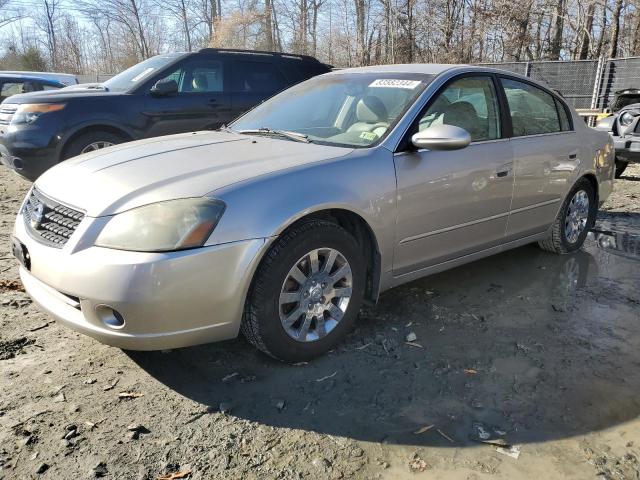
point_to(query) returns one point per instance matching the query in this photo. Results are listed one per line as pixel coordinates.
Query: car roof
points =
(424, 68)
(13, 76)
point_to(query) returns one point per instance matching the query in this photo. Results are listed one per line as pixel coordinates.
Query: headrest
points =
(371, 110)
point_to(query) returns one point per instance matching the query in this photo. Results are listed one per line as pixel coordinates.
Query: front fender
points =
(363, 183)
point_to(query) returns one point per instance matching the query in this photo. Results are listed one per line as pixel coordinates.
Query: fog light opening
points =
(110, 317)
(17, 163)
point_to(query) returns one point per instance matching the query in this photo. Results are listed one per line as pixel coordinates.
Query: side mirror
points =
(165, 88)
(442, 137)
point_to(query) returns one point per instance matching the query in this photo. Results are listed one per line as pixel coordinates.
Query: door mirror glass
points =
(442, 137)
(165, 88)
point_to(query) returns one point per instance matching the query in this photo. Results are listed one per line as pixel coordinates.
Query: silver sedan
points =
(283, 223)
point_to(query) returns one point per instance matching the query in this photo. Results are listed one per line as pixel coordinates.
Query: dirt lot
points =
(526, 348)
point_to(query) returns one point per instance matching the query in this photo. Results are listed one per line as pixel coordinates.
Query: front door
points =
(202, 102)
(454, 203)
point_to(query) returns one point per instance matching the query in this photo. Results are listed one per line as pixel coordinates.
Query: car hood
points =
(126, 176)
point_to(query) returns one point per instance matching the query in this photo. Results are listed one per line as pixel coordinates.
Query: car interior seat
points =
(199, 83)
(462, 114)
(371, 116)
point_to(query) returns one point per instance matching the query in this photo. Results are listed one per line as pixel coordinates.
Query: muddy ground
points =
(529, 349)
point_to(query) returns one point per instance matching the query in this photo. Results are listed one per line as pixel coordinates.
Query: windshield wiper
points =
(295, 136)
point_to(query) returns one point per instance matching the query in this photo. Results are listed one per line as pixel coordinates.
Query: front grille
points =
(6, 113)
(50, 221)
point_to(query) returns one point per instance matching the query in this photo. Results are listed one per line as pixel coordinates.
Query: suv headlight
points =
(30, 112)
(626, 119)
(164, 226)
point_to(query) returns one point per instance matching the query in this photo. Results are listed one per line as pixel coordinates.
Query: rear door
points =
(203, 102)
(546, 155)
(253, 81)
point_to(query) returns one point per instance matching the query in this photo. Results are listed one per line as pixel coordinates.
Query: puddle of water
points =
(619, 243)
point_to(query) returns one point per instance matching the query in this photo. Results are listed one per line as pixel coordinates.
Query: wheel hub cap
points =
(577, 216)
(315, 294)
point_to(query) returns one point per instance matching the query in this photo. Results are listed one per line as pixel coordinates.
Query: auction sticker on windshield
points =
(394, 83)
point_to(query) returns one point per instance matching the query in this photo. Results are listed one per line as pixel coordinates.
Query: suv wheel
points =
(306, 293)
(91, 141)
(574, 220)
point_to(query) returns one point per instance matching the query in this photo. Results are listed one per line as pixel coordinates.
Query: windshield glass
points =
(350, 109)
(624, 100)
(137, 74)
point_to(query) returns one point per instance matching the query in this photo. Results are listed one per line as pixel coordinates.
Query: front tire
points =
(575, 219)
(306, 293)
(91, 141)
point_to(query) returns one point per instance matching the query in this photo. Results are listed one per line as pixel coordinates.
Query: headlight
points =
(626, 119)
(164, 226)
(30, 112)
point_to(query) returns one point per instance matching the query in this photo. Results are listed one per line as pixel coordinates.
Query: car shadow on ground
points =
(525, 344)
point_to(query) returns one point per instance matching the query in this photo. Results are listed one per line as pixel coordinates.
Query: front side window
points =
(12, 88)
(201, 77)
(348, 109)
(469, 103)
(533, 111)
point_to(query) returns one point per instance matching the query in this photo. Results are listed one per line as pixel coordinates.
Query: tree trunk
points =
(615, 29)
(268, 25)
(586, 33)
(185, 24)
(555, 46)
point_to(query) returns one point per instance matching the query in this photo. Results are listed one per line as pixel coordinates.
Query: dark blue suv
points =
(166, 94)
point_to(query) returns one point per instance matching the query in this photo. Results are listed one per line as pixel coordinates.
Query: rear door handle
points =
(503, 170)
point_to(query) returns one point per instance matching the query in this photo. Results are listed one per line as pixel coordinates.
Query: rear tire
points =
(96, 138)
(620, 167)
(574, 220)
(327, 304)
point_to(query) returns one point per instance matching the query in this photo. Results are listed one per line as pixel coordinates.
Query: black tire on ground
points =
(620, 167)
(261, 324)
(557, 241)
(80, 143)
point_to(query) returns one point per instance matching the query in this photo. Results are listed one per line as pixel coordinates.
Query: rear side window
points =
(533, 111)
(50, 87)
(256, 77)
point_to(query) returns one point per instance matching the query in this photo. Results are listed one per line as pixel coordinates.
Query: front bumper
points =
(28, 151)
(627, 148)
(167, 300)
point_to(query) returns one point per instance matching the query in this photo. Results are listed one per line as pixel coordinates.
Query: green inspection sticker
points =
(368, 136)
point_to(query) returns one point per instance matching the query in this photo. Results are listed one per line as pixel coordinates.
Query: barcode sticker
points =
(394, 83)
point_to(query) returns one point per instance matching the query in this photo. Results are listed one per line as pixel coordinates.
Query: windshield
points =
(624, 100)
(135, 75)
(350, 109)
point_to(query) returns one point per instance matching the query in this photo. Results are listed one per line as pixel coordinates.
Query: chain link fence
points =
(585, 84)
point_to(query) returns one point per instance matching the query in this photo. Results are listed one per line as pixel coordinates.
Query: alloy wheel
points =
(96, 146)
(315, 294)
(577, 216)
